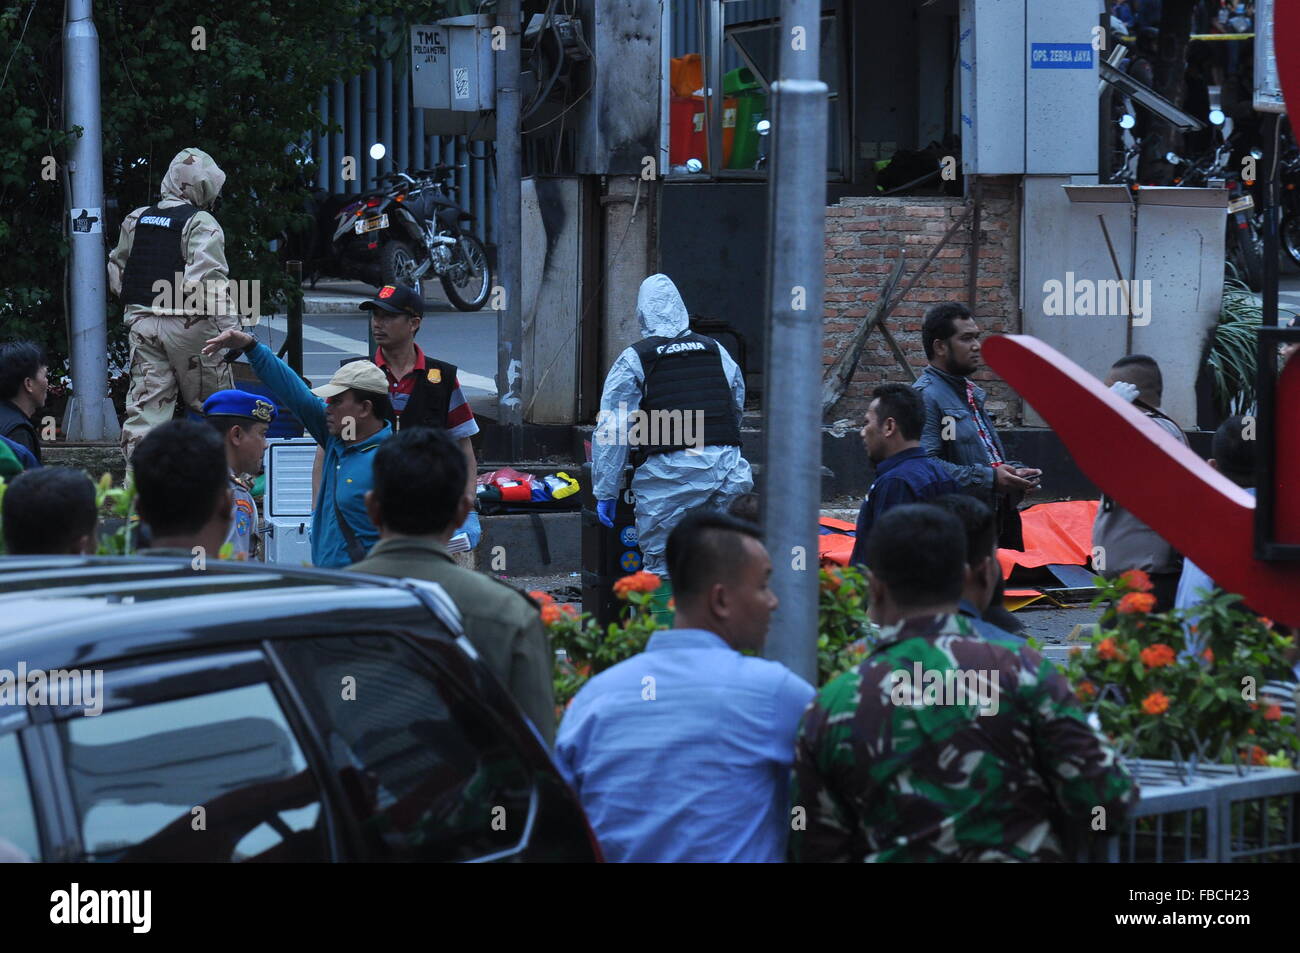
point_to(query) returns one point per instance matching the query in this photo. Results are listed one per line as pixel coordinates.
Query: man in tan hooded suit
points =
(169, 323)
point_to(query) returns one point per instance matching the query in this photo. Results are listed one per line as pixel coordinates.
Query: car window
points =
(215, 777)
(19, 840)
(428, 773)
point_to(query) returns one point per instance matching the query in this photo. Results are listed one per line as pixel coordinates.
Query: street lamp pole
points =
(90, 412)
(793, 364)
(509, 253)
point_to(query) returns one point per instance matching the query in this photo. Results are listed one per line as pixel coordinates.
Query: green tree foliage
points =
(244, 90)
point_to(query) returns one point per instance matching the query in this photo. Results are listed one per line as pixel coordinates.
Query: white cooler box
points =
(286, 507)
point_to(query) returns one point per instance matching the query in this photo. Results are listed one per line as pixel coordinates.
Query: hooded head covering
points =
(193, 177)
(660, 309)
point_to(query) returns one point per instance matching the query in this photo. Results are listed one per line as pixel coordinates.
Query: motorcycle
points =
(1289, 229)
(411, 229)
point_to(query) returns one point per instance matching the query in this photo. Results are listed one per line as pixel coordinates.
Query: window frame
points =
(439, 668)
(713, 44)
(166, 678)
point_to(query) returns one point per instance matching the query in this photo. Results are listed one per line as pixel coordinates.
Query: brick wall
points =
(864, 237)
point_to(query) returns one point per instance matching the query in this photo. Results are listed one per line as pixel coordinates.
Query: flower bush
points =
(845, 634)
(1160, 697)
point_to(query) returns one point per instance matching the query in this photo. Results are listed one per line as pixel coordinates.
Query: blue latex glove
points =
(605, 512)
(472, 528)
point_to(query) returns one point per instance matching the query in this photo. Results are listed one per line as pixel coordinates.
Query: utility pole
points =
(509, 253)
(796, 265)
(90, 412)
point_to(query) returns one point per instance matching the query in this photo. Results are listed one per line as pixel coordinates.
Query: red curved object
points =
(1286, 45)
(1201, 513)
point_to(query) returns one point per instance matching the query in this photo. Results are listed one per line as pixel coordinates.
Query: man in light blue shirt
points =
(683, 753)
(1234, 457)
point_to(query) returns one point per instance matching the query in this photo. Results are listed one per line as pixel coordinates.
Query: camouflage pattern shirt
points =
(942, 746)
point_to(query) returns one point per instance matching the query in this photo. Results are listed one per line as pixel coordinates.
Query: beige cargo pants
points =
(166, 357)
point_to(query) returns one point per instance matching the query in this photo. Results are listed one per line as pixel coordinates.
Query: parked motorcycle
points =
(1244, 245)
(411, 229)
(1289, 229)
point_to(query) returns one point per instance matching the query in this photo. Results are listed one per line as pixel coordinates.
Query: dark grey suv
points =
(151, 712)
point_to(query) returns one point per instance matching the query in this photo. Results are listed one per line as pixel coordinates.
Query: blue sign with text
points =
(1060, 55)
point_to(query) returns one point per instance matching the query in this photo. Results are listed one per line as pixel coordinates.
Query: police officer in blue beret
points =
(242, 419)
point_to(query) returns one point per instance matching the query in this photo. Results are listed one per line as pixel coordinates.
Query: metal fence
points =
(375, 107)
(1213, 815)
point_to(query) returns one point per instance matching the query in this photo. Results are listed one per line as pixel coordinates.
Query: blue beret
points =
(239, 403)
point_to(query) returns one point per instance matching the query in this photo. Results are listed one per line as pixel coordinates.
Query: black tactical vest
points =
(156, 253)
(430, 400)
(685, 374)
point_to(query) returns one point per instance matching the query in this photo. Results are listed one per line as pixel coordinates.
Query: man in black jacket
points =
(23, 386)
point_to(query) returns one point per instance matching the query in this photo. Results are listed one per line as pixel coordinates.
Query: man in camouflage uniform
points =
(167, 332)
(892, 766)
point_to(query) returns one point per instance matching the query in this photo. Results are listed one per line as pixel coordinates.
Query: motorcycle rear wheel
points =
(471, 293)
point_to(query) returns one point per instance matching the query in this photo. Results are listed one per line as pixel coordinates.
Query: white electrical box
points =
(453, 77)
(1029, 74)
(1061, 76)
(286, 505)
(992, 87)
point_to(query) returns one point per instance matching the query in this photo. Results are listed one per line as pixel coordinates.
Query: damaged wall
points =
(864, 237)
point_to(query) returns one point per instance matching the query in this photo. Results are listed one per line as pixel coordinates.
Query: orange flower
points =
(1208, 655)
(1085, 691)
(1136, 580)
(637, 582)
(672, 604)
(1137, 603)
(1273, 713)
(1256, 755)
(542, 597)
(1157, 703)
(1266, 622)
(1158, 655)
(831, 581)
(1106, 650)
(550, 614)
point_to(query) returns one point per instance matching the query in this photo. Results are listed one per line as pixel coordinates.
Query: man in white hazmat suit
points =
(673, 400)
(171, 317)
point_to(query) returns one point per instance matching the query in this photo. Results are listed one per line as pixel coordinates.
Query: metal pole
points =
(388, 162)
(371, 130)
(338, 113)
(90, 413)
(509, 254)
(402, 148)
(294, 319)
(796, 283)
(354, 136)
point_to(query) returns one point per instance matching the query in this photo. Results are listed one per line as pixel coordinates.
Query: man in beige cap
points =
(169, 269)
(349, 417)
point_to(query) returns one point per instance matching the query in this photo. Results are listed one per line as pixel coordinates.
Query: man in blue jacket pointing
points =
(349, 417)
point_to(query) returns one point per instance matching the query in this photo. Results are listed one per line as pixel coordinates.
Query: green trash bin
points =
(751, 107)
